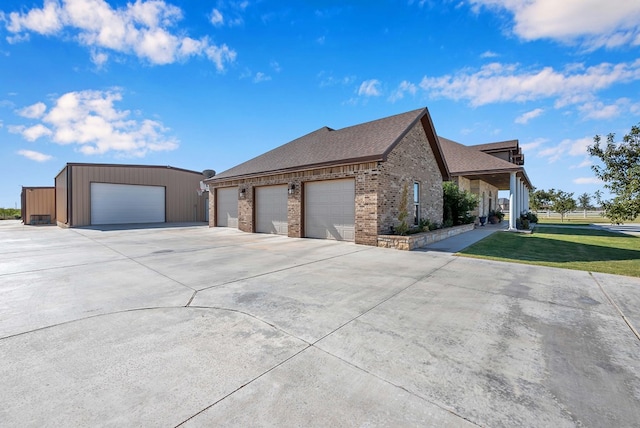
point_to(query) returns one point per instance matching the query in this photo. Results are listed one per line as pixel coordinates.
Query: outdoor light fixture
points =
(292, 188)
(243, 192)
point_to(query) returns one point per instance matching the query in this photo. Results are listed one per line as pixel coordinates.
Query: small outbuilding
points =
(99, 194)
(38, 205)
(344, 184)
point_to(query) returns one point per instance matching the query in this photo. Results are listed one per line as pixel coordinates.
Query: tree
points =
(584, 202)
(562, 203)
(620, 171)
(540, 199)
(403, 212)
(457, 204)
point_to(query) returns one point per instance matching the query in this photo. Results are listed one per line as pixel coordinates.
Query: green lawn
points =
(567, 247)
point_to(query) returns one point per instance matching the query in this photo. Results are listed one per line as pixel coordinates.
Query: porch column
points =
(526, 200)
(512, 201)
(521, 196)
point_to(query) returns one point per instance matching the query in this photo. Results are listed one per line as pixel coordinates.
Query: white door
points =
(271, 210)
(227, 207)
(330, 209)
(126, 203)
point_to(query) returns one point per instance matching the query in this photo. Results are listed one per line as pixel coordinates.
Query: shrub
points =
(457, 204)
(403, 213)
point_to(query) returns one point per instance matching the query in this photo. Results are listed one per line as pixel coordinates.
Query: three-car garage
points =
(329, 208)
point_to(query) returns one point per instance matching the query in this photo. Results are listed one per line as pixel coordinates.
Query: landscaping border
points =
(419, 240)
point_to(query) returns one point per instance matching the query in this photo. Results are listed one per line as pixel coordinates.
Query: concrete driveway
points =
(193, 326)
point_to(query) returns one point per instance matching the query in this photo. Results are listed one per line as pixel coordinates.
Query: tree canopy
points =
(620, 171)
(562, 202)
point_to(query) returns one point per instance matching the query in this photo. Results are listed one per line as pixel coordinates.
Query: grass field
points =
(576, 248)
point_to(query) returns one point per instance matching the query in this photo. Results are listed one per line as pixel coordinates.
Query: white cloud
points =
(526, 117)
(488, 54)
(327, 79)
(567, 147)
(47, 20)
(33, 111)
(585, 163)
(216, 18)
(369, 88)
(496, 82)
(404, 88)
(143, 28)
(34, 132)
(275, 66)
(99, 58)
(533, 144)
(593, 23)
(90, 120)
(261, 77)
(34, 156)
(587, 180)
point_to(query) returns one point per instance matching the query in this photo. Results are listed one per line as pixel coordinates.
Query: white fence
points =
(577, 214)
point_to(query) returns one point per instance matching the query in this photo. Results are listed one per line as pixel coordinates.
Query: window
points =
(416, 203)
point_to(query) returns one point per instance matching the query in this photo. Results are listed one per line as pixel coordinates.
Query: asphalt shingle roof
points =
(368, 141)
(468, 159)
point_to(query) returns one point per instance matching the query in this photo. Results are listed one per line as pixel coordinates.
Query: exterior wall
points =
(412, 160)
(463, 183)
(182, 202)
(62, 206)
(365, 188)
(378, 188)
(478, 188)
(486, 193)
(39, 201)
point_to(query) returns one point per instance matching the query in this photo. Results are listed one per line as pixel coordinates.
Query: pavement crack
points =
(617, 308)
(249, 382)
(408, 391)
(137, 262)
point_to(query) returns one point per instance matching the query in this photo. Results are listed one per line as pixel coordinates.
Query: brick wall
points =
(410, 161)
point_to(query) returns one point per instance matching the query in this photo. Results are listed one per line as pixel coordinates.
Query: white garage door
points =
(227, 207)
(271, 210)
(330, 210)
(126, 203)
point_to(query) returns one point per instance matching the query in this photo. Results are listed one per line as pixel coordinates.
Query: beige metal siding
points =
(39, 201)
(61, 198)
(182, 201)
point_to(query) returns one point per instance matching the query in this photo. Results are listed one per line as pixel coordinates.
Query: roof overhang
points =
(498, 178)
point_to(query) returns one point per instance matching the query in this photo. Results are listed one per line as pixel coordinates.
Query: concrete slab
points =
(46, 297)
(625, 293)
(279, 331)
(291, 392)
(155, 367)
(498, 360)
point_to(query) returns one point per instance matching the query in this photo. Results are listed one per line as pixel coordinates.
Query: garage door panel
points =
(227, 207)
(271, 210)
(126, 204)
(330, 210)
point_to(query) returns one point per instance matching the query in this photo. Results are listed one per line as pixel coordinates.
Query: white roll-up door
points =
(271, 210)
(330, 209)
(227, 207)
(126, 203)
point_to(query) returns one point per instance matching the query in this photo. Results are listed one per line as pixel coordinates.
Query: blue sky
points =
(210, 84)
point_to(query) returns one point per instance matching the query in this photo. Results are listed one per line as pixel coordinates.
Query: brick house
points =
(343, 184)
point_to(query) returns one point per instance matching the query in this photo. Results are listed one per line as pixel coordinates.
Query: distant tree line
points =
(9, 213)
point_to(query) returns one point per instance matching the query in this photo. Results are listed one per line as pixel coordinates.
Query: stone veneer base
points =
(419, 240)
